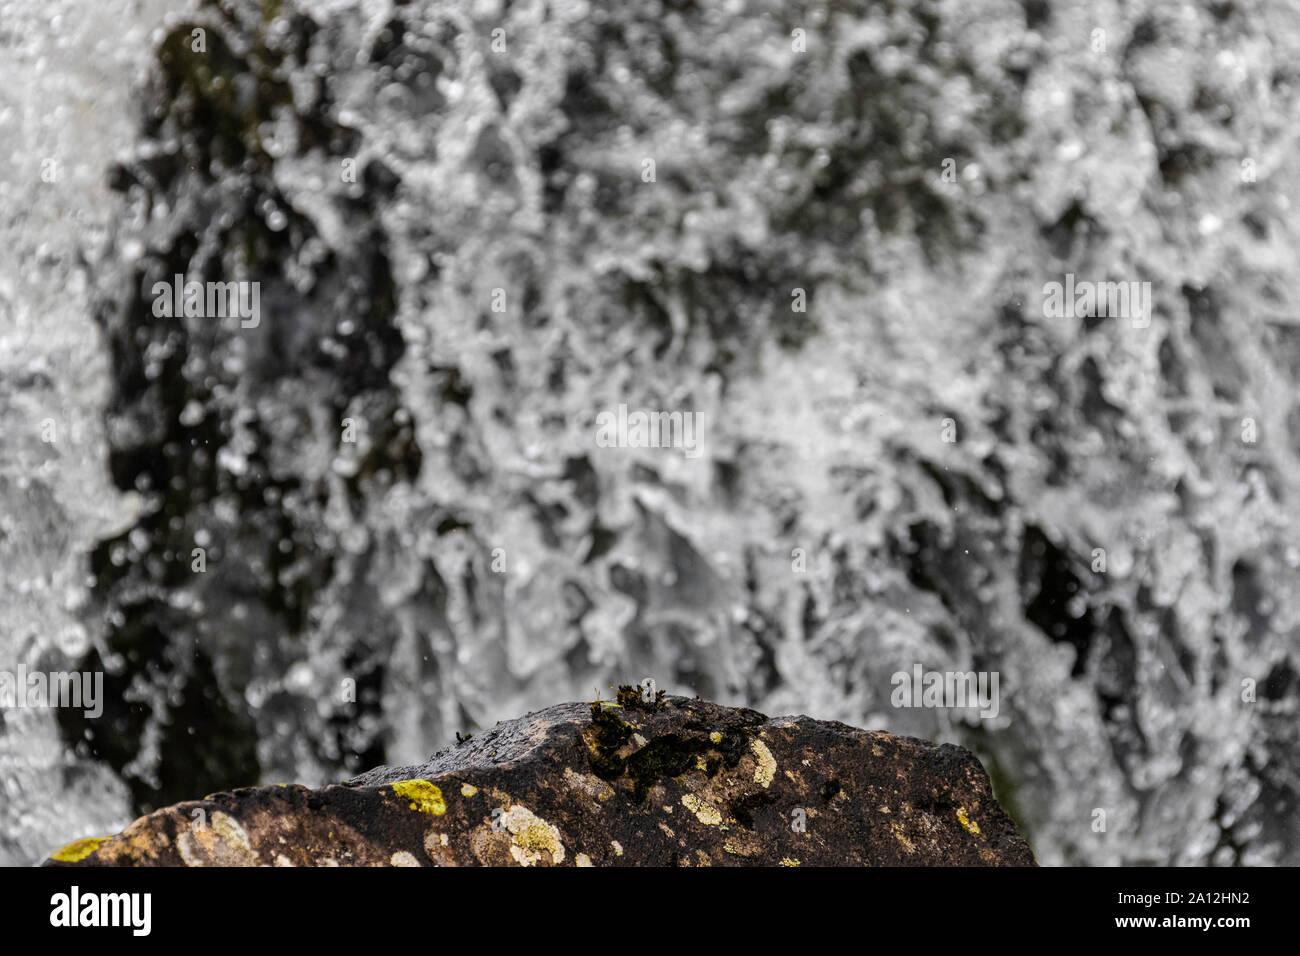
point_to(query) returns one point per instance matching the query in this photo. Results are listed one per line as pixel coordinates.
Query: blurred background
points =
(460, 253)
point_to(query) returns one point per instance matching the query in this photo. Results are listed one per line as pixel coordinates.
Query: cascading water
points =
(379, 514)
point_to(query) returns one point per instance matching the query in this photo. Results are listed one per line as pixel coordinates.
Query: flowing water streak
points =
(66, 70)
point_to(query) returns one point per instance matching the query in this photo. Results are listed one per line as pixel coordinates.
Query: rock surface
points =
(673, 782)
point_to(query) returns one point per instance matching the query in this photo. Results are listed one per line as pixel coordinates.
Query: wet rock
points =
(667, 781)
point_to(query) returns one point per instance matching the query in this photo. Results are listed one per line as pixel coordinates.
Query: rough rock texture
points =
(673, 782)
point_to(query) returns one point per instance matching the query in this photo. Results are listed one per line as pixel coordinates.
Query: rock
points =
(669, 782)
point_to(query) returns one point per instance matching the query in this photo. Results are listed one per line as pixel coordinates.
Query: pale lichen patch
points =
(766, 769)
(221, 841)
(704, 812)
(531, 837)
(438, 848)
(403, 858)
(229, 830)
(468, 790)
(589, 784)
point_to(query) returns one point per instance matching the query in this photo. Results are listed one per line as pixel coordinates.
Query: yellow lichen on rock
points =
(468, 789)
(766, 769)
(78, 851)
(423, 795)
(970, 825)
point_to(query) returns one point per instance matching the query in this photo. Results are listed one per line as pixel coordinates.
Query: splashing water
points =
(391, 483)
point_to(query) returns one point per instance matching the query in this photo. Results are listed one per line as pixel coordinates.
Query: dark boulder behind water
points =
(408, 530)
(663, 782)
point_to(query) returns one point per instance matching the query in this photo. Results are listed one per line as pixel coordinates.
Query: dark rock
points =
(668, 782)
